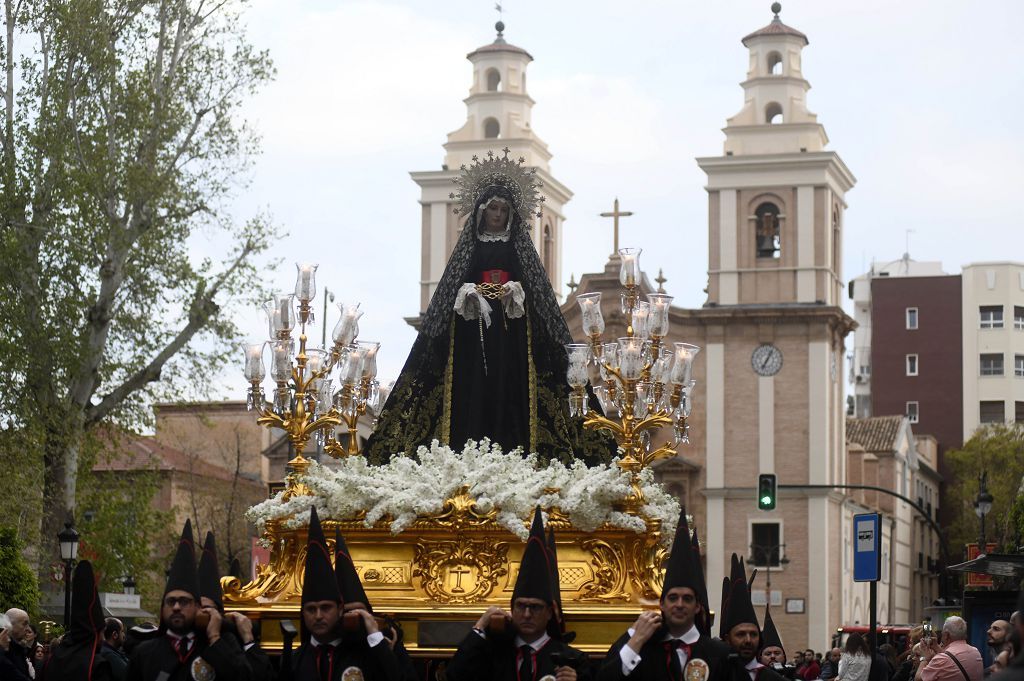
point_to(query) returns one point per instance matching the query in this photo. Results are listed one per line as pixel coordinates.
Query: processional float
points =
(436, 563)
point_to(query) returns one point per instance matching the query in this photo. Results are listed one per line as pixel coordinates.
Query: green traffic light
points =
(766, 500)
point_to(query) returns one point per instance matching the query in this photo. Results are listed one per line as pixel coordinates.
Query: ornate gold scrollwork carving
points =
(460, 571)
(459, 512)
(610, 581)
(646, 558)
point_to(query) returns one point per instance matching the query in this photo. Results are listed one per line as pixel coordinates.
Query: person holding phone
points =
(525, 644)
(668, 644)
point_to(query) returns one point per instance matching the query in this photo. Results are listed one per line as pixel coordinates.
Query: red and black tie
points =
(325, 661)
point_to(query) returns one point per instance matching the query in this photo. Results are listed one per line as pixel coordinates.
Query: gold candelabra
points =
(643, 388)
(305, 404)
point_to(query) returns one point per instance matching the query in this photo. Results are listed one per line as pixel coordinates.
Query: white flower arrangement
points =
(511, 484)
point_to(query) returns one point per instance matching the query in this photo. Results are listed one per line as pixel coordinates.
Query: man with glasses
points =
(187, 650)
(529, 646)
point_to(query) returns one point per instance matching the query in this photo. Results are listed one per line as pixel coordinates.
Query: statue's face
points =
(496, 216)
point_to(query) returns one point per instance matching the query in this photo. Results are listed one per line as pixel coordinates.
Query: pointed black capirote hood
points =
(724, 610)
(680, 570)
(704, 619)
(182, 574)
(209, 573)
(741, 610)
(557, 623)
(77, 656)
(351, 586)
(769, 634)
(534, 579)
(318, 580)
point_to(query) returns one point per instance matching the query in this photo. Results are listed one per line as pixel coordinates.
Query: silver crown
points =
(498, 171)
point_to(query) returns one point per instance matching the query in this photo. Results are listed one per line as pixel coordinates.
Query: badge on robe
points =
(352, 674)
(547, 678)
(202, 670)
(696, 670)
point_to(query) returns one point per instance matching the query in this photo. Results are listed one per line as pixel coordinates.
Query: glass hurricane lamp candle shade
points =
(282, 368)
(305, 282)
(352, 366)
(347, 327)
(282, 315)
(590, 308)
(629, 272)
(641, 320)
(682, 367)
(254, 369)
(659, 323)
(369, 349)
(631, 357)
(316, 360)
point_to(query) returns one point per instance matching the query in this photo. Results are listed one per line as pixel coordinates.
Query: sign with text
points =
(867, 547)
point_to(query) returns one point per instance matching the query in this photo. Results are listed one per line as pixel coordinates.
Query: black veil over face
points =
(412, 415)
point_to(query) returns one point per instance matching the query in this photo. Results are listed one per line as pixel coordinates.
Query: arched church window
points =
(493, 80)
(491, 128)
(773, 113)
(775, 63)
(767, 230)
(548, 249)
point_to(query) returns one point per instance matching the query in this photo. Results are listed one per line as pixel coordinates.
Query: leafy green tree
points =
(121, 144)
(18, 587)
(999, 451)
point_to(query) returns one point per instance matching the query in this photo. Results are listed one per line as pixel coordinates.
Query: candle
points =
(305, 282)
(682, 368)
(631, 357)
(630, 270)
(641, 320)
(348, 326)
(660, 304)
(254, 369)
(590, 307)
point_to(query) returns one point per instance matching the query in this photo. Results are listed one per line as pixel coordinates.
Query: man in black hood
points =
(669, 644)
(741, 631)
(533, 649)
(328, 653)
(187, 650)
(78, 658)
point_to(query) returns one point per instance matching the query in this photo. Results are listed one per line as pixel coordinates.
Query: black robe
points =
(157, 655)
(654, 663)
(377, 663)
(480, 659)
(737, 671)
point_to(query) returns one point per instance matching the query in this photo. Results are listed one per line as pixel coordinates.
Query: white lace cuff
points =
(514, 300)
(470, 305)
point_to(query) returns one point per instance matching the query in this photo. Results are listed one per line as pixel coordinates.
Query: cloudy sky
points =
(923, 101)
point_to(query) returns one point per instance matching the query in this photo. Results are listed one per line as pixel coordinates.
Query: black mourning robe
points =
(737, 671)
(654, 661)
(157, 655)
(377, 663)
(480, 659)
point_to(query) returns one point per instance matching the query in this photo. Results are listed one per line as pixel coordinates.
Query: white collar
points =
(753, 664)
(335, 642)
(691, 636)
(536, 645)
(190, 635)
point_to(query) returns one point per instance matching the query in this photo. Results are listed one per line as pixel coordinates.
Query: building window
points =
(1018, 366)
(773, 113)
(911, 365)
(1018, 411)
(765, 544)
(491, 128)
(548, 249)
(768, 232)
(493, 80)
(911, 318)
(992, 364)
(1018, 317)
(774, 63)
(912, 412)
(991, 316)
(991, 411)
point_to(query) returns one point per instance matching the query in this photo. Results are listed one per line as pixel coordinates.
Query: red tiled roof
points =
(773, 29)
(136, 452)
(875, 433)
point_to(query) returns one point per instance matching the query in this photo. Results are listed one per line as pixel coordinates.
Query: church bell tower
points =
(498, 112)
(774, 341)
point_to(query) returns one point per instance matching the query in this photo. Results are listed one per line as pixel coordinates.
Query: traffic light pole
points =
(943, 549)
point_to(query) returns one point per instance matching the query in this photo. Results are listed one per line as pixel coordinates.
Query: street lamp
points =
(767, 552)
(129, 585)
(982, 506)
(68, 538)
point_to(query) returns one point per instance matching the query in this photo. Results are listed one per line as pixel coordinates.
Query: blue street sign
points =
(867, 547)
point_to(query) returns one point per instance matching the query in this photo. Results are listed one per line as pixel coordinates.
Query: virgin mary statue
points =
(489, 360)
